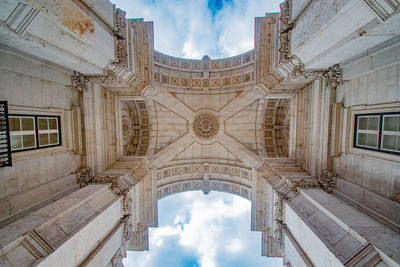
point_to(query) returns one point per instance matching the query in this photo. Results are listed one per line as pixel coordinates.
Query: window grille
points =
(5, 143)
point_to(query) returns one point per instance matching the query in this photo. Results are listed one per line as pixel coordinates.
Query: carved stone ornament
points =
(121, 40)
(333, 76)
(327, 181)
(304, 183)
(127, 204)
(79, 82)
(285, 27)
(205, 125)
(128, 227)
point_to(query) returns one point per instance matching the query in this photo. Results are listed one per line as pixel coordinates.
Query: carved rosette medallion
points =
(205, 125)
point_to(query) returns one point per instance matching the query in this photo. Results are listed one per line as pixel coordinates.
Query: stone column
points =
(125, 179)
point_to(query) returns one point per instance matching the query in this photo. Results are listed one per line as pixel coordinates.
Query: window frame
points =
(36, 131)
(380, 132)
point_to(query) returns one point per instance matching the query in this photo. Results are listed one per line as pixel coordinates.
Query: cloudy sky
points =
(202, 230)
(194, 28)
(198, 230)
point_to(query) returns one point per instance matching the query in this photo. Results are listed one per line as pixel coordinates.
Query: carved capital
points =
(79, 81)
(127, 203)
(333, 76)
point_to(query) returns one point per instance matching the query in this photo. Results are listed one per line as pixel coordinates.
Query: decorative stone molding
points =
(121, 39)
(285, 27)
(206, 73)
(205, 125)
(205, 186)
(79, 82)
(277, 127)
(327, 181)
(138, 172)
(333, 76)
(120, 184)
(121, 74)
(278, 234)
(299, 71)
(128, 227)
(135, 128)
(303, 183)
(198, 171)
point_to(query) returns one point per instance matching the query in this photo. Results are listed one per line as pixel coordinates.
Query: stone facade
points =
(275, 125)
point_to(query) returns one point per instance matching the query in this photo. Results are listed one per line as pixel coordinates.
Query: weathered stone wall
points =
(372, 87)
(34, 88)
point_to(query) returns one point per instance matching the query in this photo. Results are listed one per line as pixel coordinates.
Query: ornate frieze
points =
(121, 39)
(127, 203)
(285, 27)
(205, 186)
(128, 227)
(303, 183)
(205, 73)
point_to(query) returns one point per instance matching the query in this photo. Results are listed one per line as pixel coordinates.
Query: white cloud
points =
(215, 232)
(188, 29)
(235, 246)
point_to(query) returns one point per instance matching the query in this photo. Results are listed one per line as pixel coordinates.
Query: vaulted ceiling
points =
(205, 111)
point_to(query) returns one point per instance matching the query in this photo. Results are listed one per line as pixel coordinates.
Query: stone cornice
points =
(132, 68)
(288, 67)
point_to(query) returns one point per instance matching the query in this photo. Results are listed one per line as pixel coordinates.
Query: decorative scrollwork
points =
(205, 125)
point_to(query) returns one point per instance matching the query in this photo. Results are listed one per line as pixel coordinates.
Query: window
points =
(33, 132)
(378, 131)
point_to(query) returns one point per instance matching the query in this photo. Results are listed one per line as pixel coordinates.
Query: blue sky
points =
(194, 28)
(203, 230)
